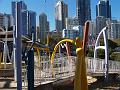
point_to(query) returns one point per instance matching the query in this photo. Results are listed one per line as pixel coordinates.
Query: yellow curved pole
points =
(56, 47)
(54, 51)
(80, 80)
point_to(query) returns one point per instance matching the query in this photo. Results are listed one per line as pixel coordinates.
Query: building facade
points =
(114, 31)
(44, 27)
(28, 23)
(22, 7)
(3, 20)
(70, 22)
(83, 10)
(28, 19)
(61, 12)
(71, 34)
(100, 23)
(103, 9)
(6, 21)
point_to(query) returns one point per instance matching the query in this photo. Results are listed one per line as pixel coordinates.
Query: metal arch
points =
(105, 47)
(56, 47)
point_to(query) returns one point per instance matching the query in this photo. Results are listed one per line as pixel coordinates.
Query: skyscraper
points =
(6, 20)
(83, 11)
(28, 23)
(61, 12)
(3, 20)
(100, 23)
(22, 8)
(103, 9)
(44, 26)
(114, 31)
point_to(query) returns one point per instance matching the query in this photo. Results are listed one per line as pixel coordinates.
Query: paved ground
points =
(113, 84)
(100, 84)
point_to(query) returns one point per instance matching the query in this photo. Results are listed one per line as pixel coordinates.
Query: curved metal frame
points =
(105, 47)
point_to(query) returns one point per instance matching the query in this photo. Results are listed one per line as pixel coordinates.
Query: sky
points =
(48, 7)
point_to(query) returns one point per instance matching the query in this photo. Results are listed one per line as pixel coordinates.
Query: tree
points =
(115, 56)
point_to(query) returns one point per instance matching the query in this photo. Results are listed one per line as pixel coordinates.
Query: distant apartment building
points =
(61, 12)
(92, 33)
(114, 31)
(103, 8)
(6, 21)
(28, 18)
(22, 7)
(10, 20)
(70, 22)
(100, 23)
(37, 34)
(71, 34)
(3, 20)
(103, 15)
(43, 27)
(28, 23)
(72, 25)
(92, 28)
(83, 10)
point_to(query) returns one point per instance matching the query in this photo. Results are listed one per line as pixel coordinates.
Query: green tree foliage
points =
(115, 56)
(101, 53)
(90, 53)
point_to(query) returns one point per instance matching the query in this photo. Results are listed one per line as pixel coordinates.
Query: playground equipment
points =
(105, 47)
(80, 81)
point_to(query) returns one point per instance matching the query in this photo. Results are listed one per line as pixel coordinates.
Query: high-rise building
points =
(43, 26)
(70, 22)
(2, 20)
(114, 29)
(70, 33)
(22, 7)
(61, 12)
(10, 20)
(92, 28)
(100, 24)
(32, 24)
(28, 23)
(83, 11)
(6, 20)
(103, 9)
(37, 33)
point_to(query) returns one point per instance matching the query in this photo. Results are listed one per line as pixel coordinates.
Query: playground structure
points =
(80, 72)
(31, 69)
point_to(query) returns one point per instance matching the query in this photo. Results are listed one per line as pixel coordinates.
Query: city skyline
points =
(48, 7)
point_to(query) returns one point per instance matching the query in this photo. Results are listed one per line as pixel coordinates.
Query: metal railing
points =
(64, 67)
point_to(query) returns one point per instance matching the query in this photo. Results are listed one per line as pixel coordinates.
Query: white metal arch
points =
(105, 47)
